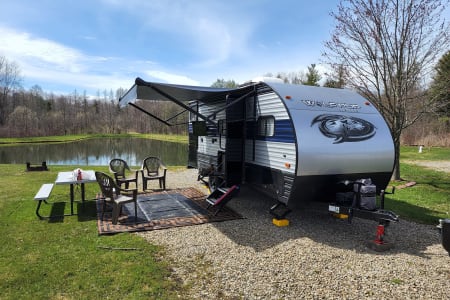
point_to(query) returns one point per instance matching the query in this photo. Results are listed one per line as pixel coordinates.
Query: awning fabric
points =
(144, 90)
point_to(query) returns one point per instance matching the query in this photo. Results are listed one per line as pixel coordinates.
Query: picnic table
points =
(65, 178)
(70, 178)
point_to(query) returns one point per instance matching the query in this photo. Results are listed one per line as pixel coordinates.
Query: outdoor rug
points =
(161, 210)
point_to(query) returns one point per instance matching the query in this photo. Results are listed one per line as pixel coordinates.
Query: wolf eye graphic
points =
(344, 128)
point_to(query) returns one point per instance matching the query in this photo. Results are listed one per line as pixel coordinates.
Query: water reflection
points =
(96, 152)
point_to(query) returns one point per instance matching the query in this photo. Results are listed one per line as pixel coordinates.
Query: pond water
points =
(96, 152)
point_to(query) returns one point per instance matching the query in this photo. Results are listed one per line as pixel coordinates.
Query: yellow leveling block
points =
(340, 216)
(280, 222)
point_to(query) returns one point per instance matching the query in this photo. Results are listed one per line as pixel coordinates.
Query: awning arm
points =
(231, 103)
(186, 107)
(151, 115)
(166, 122)
(176, 115)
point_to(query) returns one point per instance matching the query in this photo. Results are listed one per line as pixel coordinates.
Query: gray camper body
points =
(297, 141)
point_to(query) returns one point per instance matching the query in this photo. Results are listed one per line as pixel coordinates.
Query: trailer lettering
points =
(331, 104)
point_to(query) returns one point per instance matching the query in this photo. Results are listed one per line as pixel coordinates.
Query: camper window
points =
(266, 126)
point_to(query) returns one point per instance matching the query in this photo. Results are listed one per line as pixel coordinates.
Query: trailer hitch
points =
(382, 216)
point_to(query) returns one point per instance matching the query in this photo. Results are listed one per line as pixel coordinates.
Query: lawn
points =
(428, 200)
(67, 259)
(428, 153)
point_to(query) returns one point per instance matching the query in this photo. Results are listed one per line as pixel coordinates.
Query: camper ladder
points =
(220, 196)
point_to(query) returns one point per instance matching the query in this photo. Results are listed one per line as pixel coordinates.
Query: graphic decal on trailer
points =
(344, 128)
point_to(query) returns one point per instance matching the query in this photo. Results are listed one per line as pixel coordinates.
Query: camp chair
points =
(118, 167)
(115, 195)
(153, 169)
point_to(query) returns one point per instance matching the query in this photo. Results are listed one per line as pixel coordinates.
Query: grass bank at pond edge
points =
(71, 138)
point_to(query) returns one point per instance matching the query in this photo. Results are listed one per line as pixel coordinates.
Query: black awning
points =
(144, 90)
(179, 94)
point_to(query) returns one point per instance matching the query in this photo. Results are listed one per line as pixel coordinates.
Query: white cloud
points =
(27, 50)
(171, 78)
(212, 31)
(47, 61)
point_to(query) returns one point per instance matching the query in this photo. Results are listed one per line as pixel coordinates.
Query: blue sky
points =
(93, 45)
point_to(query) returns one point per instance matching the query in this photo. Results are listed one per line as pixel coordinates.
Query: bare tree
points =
(291, 77)
(337, 78)
(23, 120)
(389, 48)
(9, 79)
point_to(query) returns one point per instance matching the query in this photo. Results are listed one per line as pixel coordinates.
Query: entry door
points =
(235, 143)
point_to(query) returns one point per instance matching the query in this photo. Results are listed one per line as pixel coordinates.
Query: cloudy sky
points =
(93, 45)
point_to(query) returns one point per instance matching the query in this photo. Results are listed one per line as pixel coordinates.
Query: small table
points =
(69, 178)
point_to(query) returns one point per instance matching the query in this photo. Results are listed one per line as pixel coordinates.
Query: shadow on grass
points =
(414, 212)
(57, 212)
(84, 212)
(437, 179)
(87, 211)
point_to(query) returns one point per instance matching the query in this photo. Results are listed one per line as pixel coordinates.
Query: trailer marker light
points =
(288, 97)
(287, 165)
(367, 103)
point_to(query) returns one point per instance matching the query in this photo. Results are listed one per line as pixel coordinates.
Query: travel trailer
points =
(301, 143)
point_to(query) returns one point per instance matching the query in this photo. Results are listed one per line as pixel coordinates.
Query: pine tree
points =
(440, 88)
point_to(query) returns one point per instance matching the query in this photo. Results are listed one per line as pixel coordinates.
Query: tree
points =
(312, 76)
(338, 77)
(440, 87)
(291, 77)
(389, 47)
(222, 83)
(24, 121)
(9, 79)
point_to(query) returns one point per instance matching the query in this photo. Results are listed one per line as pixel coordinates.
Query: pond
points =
(96, 152)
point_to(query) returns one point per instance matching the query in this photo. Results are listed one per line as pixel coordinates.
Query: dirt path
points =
(443, 166)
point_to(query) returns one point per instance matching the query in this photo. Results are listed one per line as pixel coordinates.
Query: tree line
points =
(33, 112)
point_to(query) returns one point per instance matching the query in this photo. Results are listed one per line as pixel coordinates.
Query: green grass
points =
(66, 258)
(427, 201)
(428, 153)
(71, 138)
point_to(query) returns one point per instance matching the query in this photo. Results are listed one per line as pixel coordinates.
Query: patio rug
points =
(161, 210)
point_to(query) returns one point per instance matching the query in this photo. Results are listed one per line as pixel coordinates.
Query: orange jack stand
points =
(380, 235)
(379, 244)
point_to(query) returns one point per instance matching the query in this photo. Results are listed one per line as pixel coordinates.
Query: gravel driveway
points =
(315, 257)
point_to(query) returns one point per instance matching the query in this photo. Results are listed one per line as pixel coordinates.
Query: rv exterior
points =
(300, 142)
